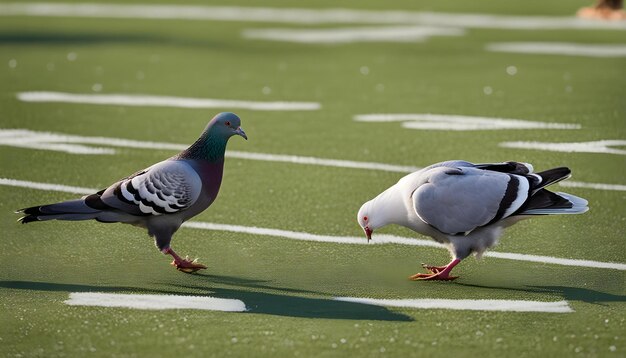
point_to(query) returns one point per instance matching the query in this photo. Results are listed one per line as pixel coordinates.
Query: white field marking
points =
(140, 100)
(556, 260)
(45, 186)
(599, 186)
(600, 146)
(302, 16)
(391, 239)
(466, 305)
(155, 302)
(24, 138)
(295, 159)
(305, 236)
(427, 121)
(559, 48)
(351, 240)
(349, 35)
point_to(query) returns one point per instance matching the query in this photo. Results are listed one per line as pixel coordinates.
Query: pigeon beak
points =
(240, 132)
(368, 233)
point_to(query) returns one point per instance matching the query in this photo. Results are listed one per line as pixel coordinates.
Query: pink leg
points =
(440, 273)
(181, 264)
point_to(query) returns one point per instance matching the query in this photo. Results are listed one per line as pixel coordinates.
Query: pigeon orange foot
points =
(184, 265)
(188, 266)
(437, 273)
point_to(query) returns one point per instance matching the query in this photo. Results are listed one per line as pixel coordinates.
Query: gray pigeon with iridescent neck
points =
(467, 206)
(161, 197)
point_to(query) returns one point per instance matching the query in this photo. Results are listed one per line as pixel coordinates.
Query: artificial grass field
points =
(288, 285)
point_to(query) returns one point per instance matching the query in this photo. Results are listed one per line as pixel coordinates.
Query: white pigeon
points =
(466, 206)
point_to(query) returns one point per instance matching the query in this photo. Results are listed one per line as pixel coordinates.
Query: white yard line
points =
(380, 239)
(464, 305)
(599, 186)
(141, 100)
(427, 121)
(46, 186)
(305, 236)
(155, 302)
(338, 163)
(351, 35)
(600, 146)
(301, 16)
(560, 48)
(24, 138)
(391, 239)
(556, 260)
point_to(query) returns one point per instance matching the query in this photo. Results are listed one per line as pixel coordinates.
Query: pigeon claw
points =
(437, 273)
(188, 266)
(434, 269)
(432, 277)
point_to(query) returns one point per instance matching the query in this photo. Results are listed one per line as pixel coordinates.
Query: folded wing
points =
(459, 200)
(164, 188)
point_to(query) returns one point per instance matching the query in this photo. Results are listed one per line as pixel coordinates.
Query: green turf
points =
(288, 285)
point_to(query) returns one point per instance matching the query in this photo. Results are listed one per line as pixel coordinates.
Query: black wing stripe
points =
(94, 201)
(509, 197)
(118, 194)
(506, 167)
(131, 189)
(154, 206)
(160, 195)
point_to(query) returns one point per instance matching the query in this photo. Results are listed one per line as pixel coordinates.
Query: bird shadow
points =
(69, 287)
(88, 39)
(244, 282)
(581, 294)
(568, 293)
(304, 307)
(256, 301)
(67, 38)
(288, 301)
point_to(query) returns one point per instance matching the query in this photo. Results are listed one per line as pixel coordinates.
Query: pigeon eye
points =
(365, 218)
(227, 123)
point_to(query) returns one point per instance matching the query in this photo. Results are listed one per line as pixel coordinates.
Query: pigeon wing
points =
(459, 200)
(507, 167)
(164, 188)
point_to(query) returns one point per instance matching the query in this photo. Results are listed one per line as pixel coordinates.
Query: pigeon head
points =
(226, 125)
(382, 210)
(211, 145)
(366, 221)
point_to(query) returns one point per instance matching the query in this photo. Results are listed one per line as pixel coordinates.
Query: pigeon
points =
(467, 206)
(161, 197)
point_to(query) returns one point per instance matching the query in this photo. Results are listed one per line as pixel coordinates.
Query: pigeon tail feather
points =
(545, 202)
(545, 199)
(67, 210)
(552, 176)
